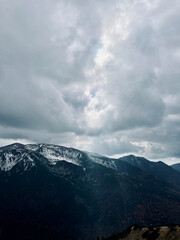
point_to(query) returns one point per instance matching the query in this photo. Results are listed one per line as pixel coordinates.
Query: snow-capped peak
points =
(15, 153)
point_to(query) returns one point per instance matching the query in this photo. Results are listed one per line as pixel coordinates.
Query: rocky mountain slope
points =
(171, 232)
(53, 192)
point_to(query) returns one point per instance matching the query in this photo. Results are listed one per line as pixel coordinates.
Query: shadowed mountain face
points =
(176, 166)
(159, 169)
(53, 192)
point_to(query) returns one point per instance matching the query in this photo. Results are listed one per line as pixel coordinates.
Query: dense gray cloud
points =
(103, 76)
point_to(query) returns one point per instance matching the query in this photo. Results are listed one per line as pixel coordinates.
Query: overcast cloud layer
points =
(102, 76)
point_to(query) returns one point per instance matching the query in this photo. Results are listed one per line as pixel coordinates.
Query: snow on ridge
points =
(106, 162)
(32, 147)
(9, 160)
(53, 153)
(13, 154)
(28, 164)
(59, 154)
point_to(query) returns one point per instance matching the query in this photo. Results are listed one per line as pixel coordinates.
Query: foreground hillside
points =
(54, 192)
(135, 232)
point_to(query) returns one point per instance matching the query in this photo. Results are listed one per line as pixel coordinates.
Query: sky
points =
(98, 75)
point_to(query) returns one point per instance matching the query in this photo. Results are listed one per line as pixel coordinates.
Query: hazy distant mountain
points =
(159, 169)
(176, 166)
(53, 192)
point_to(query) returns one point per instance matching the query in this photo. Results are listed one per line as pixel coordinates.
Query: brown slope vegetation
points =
(135, 232)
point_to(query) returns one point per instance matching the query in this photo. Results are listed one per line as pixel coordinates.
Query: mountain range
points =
(54, 192)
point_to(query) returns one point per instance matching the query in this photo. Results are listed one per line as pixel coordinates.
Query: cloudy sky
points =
(98, 75)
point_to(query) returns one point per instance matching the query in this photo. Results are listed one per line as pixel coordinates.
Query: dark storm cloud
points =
(100, 75)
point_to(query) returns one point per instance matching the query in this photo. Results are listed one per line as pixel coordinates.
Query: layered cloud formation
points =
(102, 75)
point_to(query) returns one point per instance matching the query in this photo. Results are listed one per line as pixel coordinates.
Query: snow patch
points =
(103, 161)
(55, 155)
(8, 162)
